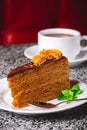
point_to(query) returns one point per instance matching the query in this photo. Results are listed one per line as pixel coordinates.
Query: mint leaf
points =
(75, 88)
(67, 93)
(71, 94)
(69, 98)
(77, 92)
(74, 98)
(62, 97)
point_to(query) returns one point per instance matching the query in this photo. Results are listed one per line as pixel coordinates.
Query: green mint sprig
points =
(71, 94)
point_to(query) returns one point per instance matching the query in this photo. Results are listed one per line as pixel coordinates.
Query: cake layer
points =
(30, 83)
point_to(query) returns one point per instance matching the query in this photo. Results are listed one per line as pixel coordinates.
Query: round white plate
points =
(6, 99)
(33, 50)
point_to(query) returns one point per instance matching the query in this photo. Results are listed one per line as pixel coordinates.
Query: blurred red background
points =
(20, 20)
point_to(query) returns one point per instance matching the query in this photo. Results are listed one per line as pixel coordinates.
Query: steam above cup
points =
(63, 39)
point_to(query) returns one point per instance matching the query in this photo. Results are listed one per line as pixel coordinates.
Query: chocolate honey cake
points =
(42, 79)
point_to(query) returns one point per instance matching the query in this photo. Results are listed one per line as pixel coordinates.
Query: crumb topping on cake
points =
(45, 55)
(38, 60)
(51, 53)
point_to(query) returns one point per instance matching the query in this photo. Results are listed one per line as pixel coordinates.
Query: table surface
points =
(72, 119)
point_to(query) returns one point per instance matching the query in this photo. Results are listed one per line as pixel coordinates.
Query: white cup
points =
(66, 40)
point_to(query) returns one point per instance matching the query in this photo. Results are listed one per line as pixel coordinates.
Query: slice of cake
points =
(42, 79)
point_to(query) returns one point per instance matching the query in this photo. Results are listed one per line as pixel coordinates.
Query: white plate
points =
(6, 99)
(33, 50)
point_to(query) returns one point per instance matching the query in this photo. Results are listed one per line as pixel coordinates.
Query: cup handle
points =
(83, 43)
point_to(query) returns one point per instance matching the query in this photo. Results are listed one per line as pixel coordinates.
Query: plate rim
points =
(27, 112)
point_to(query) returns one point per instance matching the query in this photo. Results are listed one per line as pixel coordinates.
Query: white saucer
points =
(33, 50)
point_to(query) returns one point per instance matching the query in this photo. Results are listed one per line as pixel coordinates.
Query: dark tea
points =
(59, 35)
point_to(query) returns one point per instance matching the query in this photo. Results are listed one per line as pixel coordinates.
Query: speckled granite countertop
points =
(73, 119)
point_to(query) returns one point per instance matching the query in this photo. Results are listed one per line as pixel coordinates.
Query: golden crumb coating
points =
(38, 60)
(51, 53)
